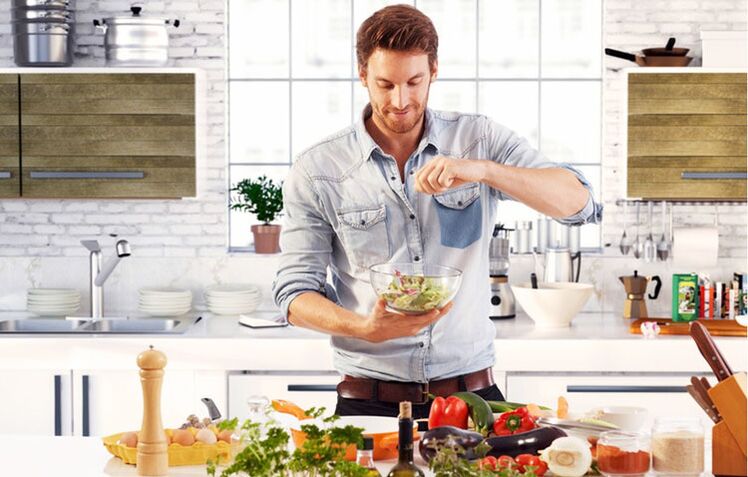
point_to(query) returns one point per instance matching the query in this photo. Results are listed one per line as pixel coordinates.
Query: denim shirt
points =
(346, 209)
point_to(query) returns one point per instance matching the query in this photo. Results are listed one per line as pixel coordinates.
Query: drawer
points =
(308, 389)
(661, 395)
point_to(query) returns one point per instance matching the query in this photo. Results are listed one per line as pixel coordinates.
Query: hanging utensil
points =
(638, 245)
(650, 60)
(625, 244)
(663, 250)
(650, 249)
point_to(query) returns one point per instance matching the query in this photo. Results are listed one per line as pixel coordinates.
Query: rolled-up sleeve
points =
(305, 242)
(506, 147)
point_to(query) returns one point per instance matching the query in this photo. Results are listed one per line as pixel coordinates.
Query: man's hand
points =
(382, 325)
(443, 173)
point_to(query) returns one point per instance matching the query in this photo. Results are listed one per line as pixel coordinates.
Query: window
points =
(534, 66)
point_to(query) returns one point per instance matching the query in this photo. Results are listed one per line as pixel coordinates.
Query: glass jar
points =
(622, 453)
(259, 408)
(678, 446)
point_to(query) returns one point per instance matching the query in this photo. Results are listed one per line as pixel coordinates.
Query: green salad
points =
(414, 293)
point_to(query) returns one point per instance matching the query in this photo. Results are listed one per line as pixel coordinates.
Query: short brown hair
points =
(397, 27)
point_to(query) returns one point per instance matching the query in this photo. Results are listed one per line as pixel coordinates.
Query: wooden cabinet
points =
(10, 153)
(108, 135)
(687, 135)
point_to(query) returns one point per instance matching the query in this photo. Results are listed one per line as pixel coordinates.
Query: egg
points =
(129, 439)
(183, 437)
(225, 436)
(206, 436)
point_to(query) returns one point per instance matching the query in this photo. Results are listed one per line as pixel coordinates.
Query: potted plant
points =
(263, 198)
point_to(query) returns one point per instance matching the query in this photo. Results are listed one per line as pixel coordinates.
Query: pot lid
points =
(137, 19)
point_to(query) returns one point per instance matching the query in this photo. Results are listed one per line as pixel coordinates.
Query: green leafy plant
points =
(261, 197)
(265, 452)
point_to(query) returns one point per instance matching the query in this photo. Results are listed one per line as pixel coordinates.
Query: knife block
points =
(729, 435)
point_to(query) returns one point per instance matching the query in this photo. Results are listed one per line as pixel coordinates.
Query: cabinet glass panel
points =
(321, 38)
(258, 38)
(508, 35)
(259, 122)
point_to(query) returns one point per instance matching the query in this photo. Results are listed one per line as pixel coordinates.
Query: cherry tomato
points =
(525, 460)
(505, 462)
(487, 463)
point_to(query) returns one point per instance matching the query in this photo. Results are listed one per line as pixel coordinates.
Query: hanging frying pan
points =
(650, 60)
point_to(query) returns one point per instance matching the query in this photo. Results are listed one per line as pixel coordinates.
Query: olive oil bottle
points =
(365, 458)
(405, 466)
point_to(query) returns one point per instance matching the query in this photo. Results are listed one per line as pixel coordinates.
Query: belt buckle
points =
(424, 393)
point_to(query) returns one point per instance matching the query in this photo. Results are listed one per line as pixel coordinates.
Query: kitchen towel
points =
(696, 246)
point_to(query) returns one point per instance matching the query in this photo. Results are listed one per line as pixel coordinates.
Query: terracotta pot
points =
(382, 429)
(266, 238)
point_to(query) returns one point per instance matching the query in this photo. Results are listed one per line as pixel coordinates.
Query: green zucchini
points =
(506, 406)
(480, 411)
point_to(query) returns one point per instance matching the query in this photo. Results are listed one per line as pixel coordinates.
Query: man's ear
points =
(434, 70)
(362, 74)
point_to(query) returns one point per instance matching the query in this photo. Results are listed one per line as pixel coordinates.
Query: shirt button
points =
(363, 222)
(393, 178)
(421, 345)
(412, 172)
(416, 258)
(459, 202)
(412, 216)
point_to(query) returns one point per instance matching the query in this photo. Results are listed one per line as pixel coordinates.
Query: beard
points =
(400, 125)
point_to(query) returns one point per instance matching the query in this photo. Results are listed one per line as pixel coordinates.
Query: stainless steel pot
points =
(43, 44)
(135, 40)
(41, 4)
(43, 15)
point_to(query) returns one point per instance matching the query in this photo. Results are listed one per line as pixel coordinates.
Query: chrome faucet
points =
(100, 274)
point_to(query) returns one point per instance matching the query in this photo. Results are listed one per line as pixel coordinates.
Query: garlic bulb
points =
(568, 457)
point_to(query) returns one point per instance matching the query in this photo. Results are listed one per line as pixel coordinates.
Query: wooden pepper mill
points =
(153, 459)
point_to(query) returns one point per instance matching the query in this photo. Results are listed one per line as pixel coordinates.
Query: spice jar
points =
(678, 446)
(623, 453)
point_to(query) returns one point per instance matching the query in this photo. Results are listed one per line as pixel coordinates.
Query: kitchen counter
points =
(593, 342)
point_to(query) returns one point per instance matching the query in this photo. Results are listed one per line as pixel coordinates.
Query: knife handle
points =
(709, 351)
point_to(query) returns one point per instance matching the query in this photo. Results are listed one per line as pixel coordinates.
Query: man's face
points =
(398, 84)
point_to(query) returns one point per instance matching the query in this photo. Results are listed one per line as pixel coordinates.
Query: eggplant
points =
(442, 434)
(530, 442)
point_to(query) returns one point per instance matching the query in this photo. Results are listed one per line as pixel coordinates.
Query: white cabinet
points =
(307, 389)
(35, 402)
(663, 395)
(111, 401)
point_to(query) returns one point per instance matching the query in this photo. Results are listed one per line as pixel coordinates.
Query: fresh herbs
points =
(265, 450)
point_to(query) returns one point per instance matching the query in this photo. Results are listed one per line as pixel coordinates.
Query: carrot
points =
(563, 408)
(288, 407)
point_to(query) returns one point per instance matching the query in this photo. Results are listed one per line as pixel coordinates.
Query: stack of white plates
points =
(53, 301)
(232, 299)
(164, 301)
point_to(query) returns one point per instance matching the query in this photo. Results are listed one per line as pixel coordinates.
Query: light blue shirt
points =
(346, 209)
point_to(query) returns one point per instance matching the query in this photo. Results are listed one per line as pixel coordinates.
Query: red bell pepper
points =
(451, 411)
(514, 422)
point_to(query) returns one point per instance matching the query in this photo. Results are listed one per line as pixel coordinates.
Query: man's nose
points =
(400, 97)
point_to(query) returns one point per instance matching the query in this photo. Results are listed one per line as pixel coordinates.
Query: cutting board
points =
(670, 327)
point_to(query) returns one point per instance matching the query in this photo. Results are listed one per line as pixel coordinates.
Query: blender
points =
(502, 298)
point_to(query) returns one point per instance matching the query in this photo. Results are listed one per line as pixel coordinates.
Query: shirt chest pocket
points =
(363, 232)
(460, 216)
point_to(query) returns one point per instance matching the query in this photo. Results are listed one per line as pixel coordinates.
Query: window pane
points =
(320, 108)
(453, 96)
(258, 39)
(360, 99)
(508, 38)
(241, 235)
(321, 38)
(570, 121)
(258, 121)
(571, 38)
(455, 24)
(513, 104)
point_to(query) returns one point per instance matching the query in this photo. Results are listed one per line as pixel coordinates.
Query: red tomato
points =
(487, 463)
(505, 462)
(525, 460)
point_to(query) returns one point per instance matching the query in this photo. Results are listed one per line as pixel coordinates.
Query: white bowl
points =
(628, 418)
(552, 305)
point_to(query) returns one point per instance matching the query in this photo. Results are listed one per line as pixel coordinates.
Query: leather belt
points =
(418, 393)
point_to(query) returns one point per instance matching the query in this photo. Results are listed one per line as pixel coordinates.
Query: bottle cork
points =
(406, 410)
(152, 459)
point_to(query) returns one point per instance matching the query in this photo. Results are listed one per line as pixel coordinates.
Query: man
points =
(407, 184)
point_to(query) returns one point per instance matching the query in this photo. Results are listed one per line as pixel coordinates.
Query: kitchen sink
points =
(102, 326)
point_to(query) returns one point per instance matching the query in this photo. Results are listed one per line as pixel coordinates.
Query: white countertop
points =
(593, 342)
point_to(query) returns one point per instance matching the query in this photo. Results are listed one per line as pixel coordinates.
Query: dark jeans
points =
(364, 407)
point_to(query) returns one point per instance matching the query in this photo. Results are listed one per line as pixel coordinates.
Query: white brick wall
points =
(631, 25)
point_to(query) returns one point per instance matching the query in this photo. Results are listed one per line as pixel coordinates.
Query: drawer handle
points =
(4, 175)
(625, 389)
(86, 404)
(58, 405)
(690, 175)
(87, 175)
(312, 388)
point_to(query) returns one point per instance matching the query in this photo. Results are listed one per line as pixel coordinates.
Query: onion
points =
(568, 457)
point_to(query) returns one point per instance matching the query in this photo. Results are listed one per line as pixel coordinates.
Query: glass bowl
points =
(415, 288)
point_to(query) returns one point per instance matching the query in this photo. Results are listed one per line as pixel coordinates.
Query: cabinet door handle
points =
(4, 175)
(715, 175)
(58, 405)
(312, 388)
(85, 398)
(87, 175)
(625, 389)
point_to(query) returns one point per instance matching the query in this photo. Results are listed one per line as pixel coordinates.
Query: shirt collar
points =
(368, 146)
